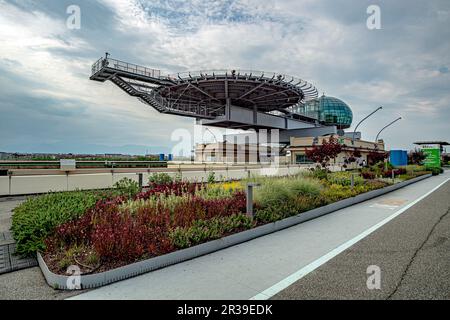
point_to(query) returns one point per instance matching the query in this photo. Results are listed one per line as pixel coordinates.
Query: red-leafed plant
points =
(376, 156)
(175, 188)
(322, 154)
(119, 235)
(399, 171)
(368, 175)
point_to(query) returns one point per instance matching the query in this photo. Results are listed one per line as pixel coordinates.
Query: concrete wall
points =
(4, 185)
(23, 185)
(37, 184)
(90, 181)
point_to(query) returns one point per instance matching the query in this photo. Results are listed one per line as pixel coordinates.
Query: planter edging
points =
(100, 279)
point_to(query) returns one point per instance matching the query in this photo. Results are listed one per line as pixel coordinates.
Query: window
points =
(301, 158)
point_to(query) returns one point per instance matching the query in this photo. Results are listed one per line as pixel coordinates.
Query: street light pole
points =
(390, 124)
(214, 136)
(354, 131)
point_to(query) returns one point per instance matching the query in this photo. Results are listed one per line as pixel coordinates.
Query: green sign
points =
(433, 157)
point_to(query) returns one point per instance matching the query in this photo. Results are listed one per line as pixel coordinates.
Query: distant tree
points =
(377, 156)
(416, 157)
(322, 154)
(357, 154)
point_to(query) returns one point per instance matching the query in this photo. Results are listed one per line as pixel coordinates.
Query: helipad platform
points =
(238, 99)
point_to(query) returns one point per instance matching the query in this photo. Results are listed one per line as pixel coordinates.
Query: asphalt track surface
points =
(412, 253)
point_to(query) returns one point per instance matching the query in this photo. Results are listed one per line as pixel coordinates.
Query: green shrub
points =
(212, 177)
(411, 175)
(336, 192)
(436, 171)
(321, 174)
(274, 192)
(271, 192)
(269, 214)
(127, 187)
(412, 168)
(92, 258)
(287, 209)
(178, 177)
(376, 184)
(303, 187)
(214, 191)
(36, 218)
(205, 230)
(380, 167)
(387, 166)
(160, 178)
(169, 201)
(344, 178)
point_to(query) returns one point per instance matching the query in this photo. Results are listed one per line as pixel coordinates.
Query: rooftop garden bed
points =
(103, 230)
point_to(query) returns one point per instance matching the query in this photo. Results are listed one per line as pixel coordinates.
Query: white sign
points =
(68, 164)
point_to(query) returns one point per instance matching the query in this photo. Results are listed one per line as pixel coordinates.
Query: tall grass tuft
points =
(275, 191)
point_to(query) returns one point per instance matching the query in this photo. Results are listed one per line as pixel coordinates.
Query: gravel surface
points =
(29, 284)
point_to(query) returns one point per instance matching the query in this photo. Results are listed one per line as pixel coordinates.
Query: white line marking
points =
(383, 206)
(286, 282)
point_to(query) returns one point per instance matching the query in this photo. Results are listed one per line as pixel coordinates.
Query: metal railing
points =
(97, 66)
(125, 66)
(238, 73)
(250, 74)
(107, 163)
(309, 90)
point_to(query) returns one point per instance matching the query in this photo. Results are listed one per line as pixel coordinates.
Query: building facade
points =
(300, 145)
(232, 153)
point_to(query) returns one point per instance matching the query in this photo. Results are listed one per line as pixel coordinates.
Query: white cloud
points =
(324, 42)
(29, 42)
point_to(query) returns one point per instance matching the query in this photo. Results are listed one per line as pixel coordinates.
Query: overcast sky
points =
(48, 104)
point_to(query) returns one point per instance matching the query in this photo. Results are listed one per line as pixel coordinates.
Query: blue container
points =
(399, 158)
(162, 157)
(170, 157)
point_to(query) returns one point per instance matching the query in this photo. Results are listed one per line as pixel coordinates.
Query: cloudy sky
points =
(48, 104)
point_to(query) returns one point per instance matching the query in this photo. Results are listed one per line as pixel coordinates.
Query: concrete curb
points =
(100, 279)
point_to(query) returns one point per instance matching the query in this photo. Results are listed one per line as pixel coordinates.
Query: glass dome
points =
(334, 112)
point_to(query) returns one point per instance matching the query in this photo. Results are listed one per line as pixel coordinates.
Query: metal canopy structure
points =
(239, 99)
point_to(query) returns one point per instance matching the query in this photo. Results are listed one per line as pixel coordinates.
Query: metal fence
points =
(125, 66)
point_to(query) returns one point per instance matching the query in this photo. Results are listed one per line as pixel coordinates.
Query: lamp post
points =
(390, 124)
(212, 133)
(353, 137)
(249, 199)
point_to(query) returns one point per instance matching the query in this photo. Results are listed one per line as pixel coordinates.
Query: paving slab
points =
(5, 264)
(8, 260)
